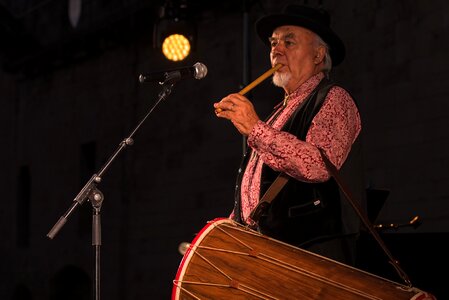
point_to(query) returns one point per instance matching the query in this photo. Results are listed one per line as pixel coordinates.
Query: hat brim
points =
(266, 25)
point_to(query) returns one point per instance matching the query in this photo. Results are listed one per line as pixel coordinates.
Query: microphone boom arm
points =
(96, 178)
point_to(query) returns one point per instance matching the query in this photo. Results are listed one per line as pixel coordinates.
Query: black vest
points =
(303, 213)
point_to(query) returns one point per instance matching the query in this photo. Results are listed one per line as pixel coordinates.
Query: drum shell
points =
(229, 261)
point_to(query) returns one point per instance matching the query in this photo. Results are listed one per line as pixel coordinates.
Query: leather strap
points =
(358, 209)
(269, 195)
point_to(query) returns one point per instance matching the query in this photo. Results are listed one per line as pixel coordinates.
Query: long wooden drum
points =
(229, 261)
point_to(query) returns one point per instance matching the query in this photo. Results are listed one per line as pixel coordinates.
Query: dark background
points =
(69, 95)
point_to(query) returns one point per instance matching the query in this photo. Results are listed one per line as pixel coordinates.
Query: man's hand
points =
(239, 110)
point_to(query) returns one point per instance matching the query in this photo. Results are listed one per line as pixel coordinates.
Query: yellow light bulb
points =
(176, 47)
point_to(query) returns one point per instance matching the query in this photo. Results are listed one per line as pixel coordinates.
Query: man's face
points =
(295, 48)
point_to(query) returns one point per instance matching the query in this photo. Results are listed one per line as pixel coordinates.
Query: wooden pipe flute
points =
(256, 82)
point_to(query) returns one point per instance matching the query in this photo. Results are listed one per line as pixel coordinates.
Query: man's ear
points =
(319, 54)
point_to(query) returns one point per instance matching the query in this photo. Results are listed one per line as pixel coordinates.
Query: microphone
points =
(197, 71)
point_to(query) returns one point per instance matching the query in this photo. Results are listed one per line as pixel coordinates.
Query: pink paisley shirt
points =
(334, 129)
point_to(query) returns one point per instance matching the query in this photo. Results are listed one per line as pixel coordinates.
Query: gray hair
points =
(327, 67)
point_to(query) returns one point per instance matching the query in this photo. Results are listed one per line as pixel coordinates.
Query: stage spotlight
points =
(175, 32)
(176, 47)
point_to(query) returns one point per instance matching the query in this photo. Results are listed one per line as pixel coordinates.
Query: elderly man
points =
(315, 114)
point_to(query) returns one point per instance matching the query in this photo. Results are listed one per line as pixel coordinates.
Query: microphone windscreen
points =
(200, 70)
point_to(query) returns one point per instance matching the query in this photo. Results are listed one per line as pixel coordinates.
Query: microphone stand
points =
(415, 222)
(96, 201)
(95, 196)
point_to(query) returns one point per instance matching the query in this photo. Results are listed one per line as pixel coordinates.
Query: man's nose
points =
(276, 52)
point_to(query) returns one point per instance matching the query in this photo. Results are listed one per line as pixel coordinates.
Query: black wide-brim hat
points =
(316, 20)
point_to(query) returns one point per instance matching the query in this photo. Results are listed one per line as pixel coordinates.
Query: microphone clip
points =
(171, 77)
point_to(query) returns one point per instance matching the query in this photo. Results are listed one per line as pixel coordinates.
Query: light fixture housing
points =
(175, 32)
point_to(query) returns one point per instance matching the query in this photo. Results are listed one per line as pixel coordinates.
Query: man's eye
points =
(273, 43)
(289, 43)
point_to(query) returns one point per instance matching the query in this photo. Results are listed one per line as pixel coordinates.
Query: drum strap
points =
(282, 179)
(363, 217)
(269, 195)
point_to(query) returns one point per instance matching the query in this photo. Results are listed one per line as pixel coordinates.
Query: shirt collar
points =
(303, 90)
(307, 86)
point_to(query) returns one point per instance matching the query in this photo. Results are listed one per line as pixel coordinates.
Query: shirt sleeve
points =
(334, 129)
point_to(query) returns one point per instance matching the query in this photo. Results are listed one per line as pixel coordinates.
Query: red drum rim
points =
(189, 253)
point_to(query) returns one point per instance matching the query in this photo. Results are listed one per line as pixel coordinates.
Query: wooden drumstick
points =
(258, 80)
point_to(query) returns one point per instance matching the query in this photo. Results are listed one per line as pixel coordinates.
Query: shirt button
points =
(240, 170)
